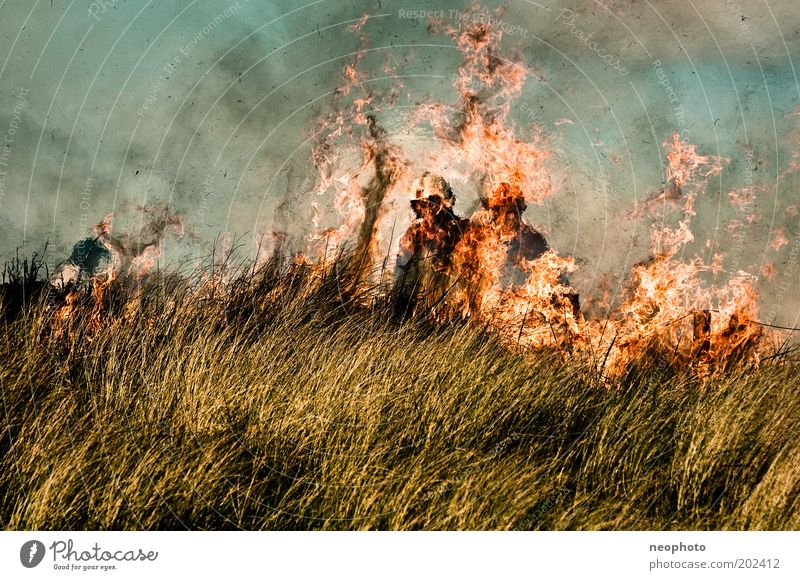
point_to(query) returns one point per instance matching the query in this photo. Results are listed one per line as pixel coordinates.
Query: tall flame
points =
(494, 266)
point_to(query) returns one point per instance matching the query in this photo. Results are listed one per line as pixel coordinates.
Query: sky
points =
(209, 106)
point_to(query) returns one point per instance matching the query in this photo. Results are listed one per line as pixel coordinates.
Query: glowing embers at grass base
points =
(666, 297)
(497, 269)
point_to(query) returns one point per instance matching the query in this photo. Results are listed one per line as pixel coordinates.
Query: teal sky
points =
(107, 104)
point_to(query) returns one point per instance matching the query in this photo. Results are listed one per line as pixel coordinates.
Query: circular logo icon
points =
(31, 553)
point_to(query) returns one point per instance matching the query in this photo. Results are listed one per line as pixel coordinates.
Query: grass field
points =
(287, 405)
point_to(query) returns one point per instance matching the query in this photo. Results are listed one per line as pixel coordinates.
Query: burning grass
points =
(289, 399)
(441, 373)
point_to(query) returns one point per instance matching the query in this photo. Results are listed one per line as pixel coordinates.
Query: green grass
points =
(286, 405)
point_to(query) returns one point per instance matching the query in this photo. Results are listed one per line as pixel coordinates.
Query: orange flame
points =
(494, 266)
(497, 268)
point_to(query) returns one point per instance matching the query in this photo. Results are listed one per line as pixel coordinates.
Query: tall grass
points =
(283, 404)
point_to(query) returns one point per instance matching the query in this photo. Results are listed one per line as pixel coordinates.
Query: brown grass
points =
(287, 405)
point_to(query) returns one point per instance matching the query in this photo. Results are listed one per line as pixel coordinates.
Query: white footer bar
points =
(388, 555)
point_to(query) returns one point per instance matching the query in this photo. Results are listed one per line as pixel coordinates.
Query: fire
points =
(492, 266)
(685, 166)
(129, 260)
(685, 163)
(779, 240)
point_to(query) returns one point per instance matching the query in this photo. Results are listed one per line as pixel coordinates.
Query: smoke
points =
(211, 108)
(125, 256)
